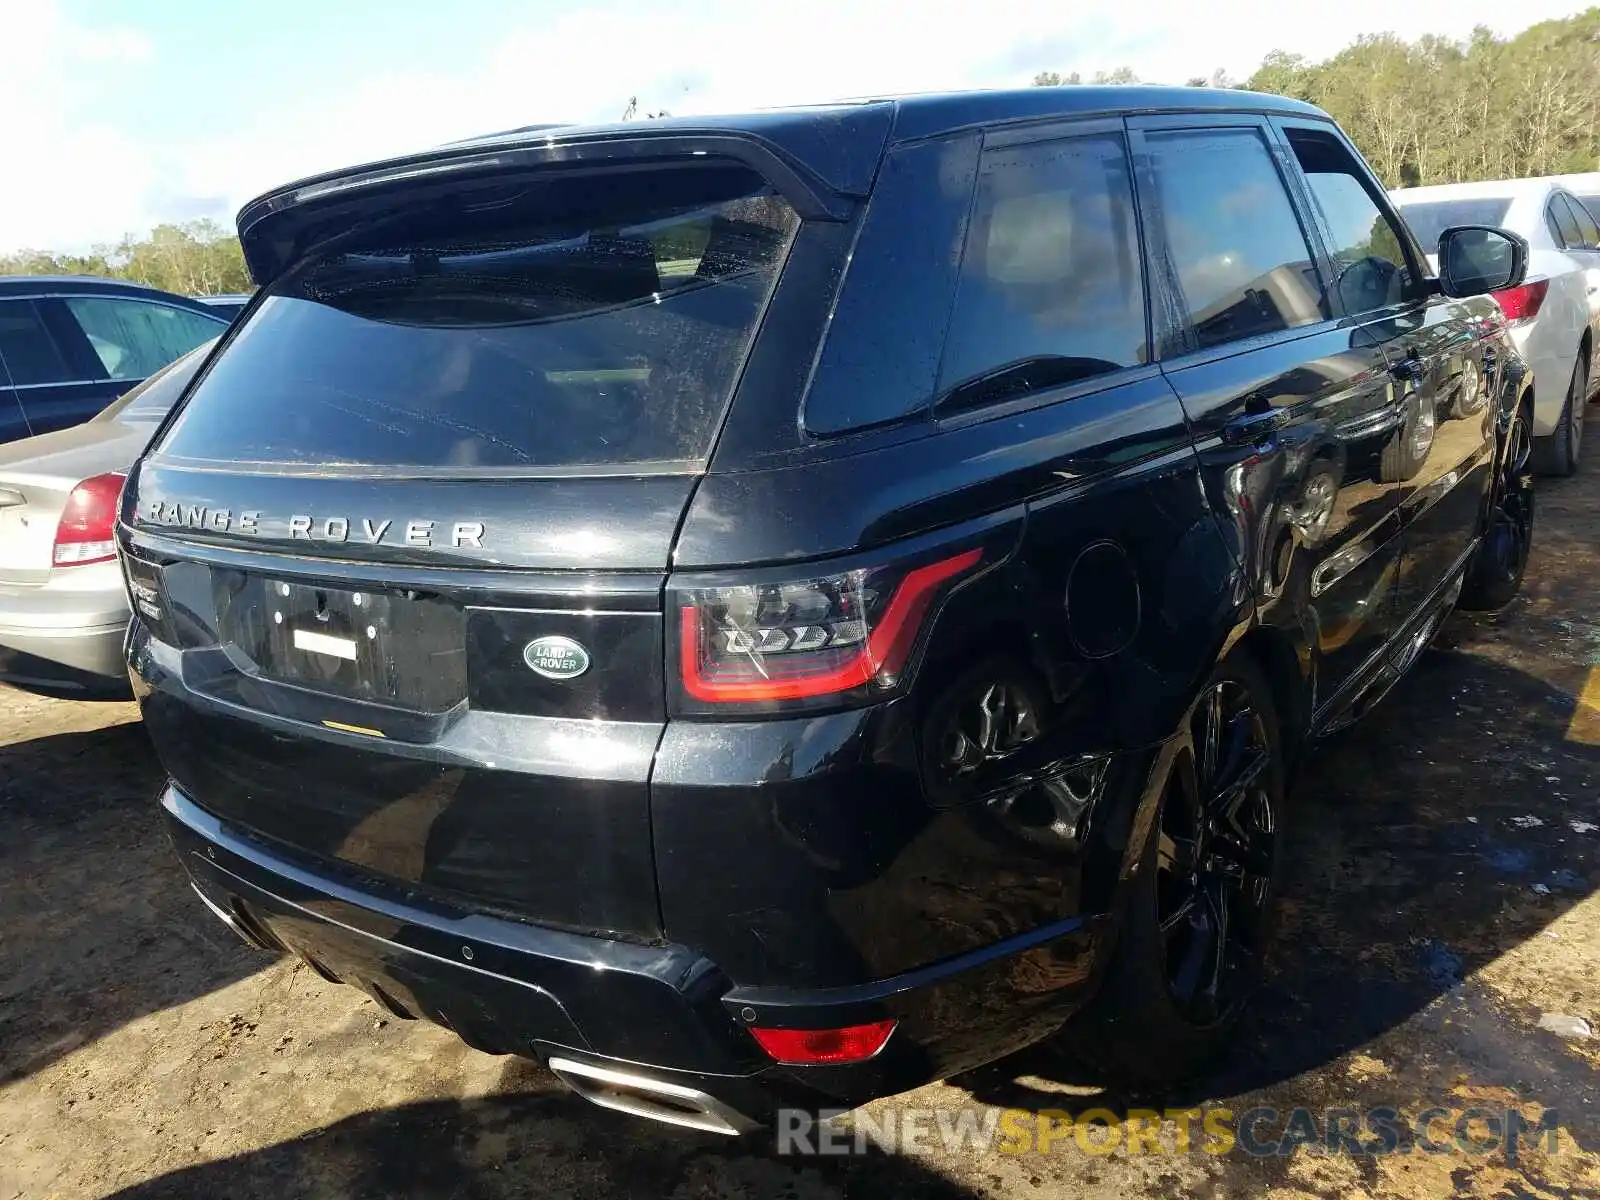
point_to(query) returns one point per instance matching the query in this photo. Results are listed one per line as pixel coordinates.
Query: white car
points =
(63, 603)
(1555, 315)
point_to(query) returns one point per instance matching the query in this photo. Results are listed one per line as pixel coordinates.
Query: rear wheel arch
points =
(1286, 667)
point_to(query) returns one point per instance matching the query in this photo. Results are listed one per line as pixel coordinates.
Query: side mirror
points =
(1477, 259)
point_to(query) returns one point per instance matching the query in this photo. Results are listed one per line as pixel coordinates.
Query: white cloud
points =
(584, 65)
(70, 173)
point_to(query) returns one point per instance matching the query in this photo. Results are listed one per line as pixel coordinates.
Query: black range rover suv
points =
(777, 609)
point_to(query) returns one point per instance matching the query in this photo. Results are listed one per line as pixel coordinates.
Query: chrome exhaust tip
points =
(641, 1096)
(247, 936)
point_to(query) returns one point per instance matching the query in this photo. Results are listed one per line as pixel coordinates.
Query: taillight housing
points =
(86, 532)
(808, 640)
(1522, 303)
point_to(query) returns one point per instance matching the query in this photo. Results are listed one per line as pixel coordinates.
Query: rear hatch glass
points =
(1429, 218)
(575, 323)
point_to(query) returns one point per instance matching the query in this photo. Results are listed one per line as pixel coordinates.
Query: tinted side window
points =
(1566, 224)
(1365, 244)
(1587, 225)
(1236, 245)
(27, 349)
(1051, 289)
(134, 338)
(1553, 226)
(1588, 235)
(881, 358)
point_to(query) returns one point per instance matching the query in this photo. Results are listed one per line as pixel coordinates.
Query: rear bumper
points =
(76, 618)
(1550, 362)
(95, 651)
(661, 1010)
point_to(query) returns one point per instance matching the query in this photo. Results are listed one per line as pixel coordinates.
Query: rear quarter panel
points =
(839, 859)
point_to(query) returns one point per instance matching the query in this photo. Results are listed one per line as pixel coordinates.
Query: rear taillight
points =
(86, 532)
(822, 638)
(1522, 303)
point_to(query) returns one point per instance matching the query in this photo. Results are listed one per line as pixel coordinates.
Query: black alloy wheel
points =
(1215, 855)
(1496, 574)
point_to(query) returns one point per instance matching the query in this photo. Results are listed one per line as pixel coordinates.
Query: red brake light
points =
(807, 638)
(810, 1047)
(85, 532)
(1522, 303)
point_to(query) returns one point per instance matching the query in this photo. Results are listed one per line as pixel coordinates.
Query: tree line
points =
(1442, 111)
(1426, 111)
(195, 258)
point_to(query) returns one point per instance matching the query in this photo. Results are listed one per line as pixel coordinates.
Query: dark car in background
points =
(229, 305)
(772, 610)
(69, 345)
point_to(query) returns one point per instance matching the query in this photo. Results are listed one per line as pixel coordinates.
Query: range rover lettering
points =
(774, 610)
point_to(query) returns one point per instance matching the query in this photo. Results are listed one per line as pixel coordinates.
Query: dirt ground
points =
(1443, 899)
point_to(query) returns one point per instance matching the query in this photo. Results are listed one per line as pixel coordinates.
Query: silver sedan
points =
(63, 603)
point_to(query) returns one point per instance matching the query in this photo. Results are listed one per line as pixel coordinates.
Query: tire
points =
(1472, 394)
(1559, 453)
(1145, 1028)
(1494, 577)
(1407, 448)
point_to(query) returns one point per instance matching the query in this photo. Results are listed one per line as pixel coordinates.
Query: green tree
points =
(1442, 111)
(195, 258)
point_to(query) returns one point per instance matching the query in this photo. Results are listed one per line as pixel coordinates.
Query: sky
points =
(116, 115)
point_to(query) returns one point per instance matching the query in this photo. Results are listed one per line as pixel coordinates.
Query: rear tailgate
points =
(383, 717)
(406, 540)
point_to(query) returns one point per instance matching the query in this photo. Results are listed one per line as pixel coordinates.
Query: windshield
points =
(153, 399)
(571, 322)
(1428, 219)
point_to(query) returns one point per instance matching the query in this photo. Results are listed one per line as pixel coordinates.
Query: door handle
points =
(1408, 370)
(1252, 427)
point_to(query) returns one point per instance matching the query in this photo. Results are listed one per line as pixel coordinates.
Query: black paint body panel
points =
(660, 875)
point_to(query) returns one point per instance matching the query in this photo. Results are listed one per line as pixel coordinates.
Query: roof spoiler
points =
(821, 162)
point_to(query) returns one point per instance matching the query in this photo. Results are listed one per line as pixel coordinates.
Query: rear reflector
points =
(812, 1047)
(85, 531)
(1522, 303)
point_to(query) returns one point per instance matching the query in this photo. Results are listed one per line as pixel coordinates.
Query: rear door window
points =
(1428, 219)
(1588, 235)
(27, 347)
(134, 339)
(1234, 241)
(880, 361)
(1051, 290)
(569, 321)
(1564, 224)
